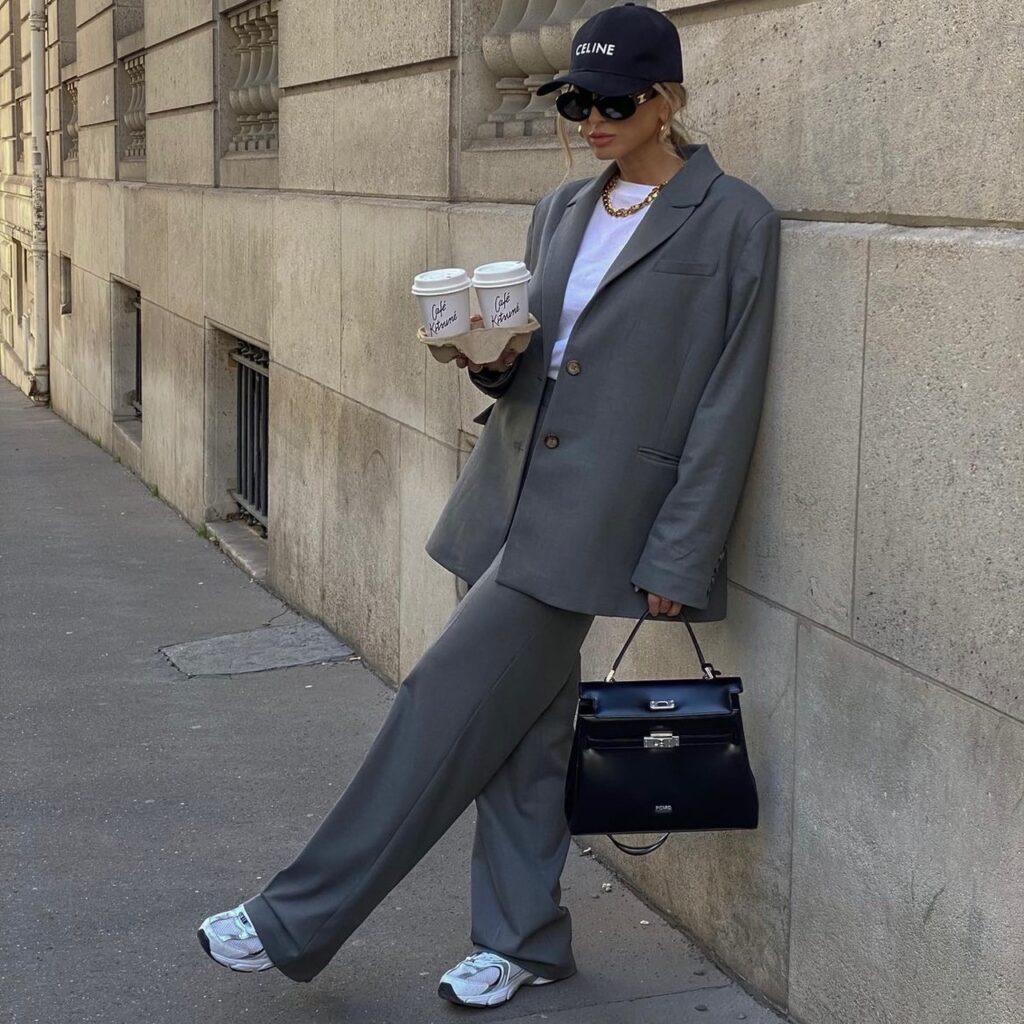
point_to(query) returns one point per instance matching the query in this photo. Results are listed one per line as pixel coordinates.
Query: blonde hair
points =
(677, 135)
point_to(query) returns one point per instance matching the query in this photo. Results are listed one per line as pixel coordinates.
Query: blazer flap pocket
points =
(669, 266)
(482, 417)
(657, 455)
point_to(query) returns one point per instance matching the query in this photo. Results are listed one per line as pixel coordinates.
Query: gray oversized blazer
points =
(648, 440)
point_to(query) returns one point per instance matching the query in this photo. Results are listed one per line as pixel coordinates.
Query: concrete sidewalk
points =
(139, 798)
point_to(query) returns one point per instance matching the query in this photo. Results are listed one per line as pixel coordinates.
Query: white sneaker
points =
(230, 939)
(485, 978)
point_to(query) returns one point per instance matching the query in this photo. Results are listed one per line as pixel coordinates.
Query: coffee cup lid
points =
(437, 282)
(494, 275)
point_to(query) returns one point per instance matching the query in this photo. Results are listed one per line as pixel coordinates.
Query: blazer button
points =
(551, 440)
(573, 367)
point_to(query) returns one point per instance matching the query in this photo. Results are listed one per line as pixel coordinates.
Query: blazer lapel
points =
(669, 211)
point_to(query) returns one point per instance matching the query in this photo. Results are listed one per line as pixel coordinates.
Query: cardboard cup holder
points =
(480, 344)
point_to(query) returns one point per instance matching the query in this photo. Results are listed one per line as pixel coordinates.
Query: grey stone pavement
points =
(139, 797)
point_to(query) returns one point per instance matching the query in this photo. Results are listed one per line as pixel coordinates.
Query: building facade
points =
(238, 195)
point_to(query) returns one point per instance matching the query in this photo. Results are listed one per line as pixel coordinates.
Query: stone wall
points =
(277, 172)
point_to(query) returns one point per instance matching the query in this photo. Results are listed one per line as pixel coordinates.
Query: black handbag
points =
(657, 755)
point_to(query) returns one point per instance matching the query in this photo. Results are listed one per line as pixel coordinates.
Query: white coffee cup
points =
(502, 291)
(443, 296)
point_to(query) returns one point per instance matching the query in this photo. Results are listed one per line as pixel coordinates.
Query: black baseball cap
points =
(622, 49)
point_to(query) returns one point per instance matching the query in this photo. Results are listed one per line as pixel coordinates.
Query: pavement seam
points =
(549, 1011)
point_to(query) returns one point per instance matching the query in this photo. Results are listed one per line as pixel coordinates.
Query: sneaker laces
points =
(236, 926)
(475, 964)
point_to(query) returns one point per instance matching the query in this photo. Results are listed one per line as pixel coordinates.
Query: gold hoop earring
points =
(579, 129)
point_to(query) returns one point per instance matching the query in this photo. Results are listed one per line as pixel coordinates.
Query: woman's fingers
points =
(503, 362)
(462, 362)
(662, 605)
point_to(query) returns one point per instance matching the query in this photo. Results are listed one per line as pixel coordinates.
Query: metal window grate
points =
(136, 397)
(252, 408)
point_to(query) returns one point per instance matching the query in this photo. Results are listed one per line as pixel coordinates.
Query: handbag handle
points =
(638, 851)
(707, 668)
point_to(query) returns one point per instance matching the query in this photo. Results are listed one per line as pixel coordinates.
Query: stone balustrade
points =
(254, 96)
(135, 113)
(20, 131)
(71, 127)
(527, 46)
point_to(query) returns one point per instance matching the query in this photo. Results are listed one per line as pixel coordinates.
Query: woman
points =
(607, 492)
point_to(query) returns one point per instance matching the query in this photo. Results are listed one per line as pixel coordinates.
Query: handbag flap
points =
(631, 699)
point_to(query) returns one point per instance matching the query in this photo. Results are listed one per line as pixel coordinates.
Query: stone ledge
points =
(131, 44)
(241, 545)
(249, 170)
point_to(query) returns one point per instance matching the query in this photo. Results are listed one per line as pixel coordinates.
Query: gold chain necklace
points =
(625, 211)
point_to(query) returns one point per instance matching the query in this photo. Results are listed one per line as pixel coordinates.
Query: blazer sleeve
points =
(496, 382)
(691, 528)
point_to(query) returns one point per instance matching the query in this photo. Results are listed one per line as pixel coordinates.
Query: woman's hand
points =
(662, 605)
(503, 362)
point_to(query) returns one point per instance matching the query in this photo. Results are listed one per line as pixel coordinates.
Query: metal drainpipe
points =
(39, 358)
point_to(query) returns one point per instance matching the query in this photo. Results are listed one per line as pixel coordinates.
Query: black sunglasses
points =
(574, 103)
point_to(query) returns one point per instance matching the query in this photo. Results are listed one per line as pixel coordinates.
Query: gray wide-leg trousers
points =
(486, 714)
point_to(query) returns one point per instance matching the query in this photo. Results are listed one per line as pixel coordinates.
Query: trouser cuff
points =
(278, 944)
(544, 970)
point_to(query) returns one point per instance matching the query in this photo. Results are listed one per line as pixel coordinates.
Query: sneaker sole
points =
(445, 991)
(204, 941)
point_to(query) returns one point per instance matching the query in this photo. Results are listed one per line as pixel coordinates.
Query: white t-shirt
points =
(604, 237)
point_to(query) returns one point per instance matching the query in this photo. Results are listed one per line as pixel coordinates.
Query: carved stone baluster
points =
(23, 129)
(238, 95)
(235, 90)
(128, 114)
(270, 92)
(140, 128)
(258, 71)
(497, 53)
(254, 23)
(589, 9)
(232, 92)
(135, 113)
(72, 126)
(261, 64)
(530, 57)
(555, 40)
(263, 93)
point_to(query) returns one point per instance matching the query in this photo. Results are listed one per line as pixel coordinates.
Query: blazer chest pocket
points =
(658, 456)
(701, 268)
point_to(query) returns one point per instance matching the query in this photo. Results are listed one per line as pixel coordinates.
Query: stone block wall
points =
(277, 172)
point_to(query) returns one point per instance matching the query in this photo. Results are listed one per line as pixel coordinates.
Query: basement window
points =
(65, 283)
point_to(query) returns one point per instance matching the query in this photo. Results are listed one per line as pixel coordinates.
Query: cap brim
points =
(600, 82)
